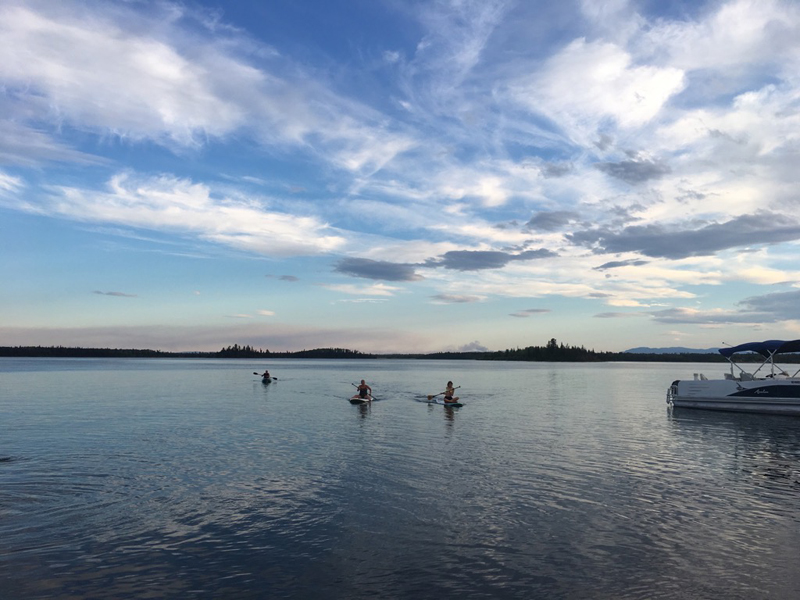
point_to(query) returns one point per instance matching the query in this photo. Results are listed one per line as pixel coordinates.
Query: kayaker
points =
(363, 389)
(449, 392)
(265, 374)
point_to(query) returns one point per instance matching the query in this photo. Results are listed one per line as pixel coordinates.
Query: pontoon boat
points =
(768, 389)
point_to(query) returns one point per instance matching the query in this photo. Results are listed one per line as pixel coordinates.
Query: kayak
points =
(360, 400)
(266, 380)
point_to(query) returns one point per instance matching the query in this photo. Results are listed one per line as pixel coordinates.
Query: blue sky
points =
(399, 176)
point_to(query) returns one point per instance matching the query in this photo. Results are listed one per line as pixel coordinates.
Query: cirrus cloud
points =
(116, 294)
(456, 298)
(523, 314)
(182, 206)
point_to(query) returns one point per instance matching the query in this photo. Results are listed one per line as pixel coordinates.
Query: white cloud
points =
(746, 129)
(737, 34)
(456, 299)
(588, 82)
(574, 277)
(152, 80)
(28, 147)
(101, 76)
(458, 32)
(376, 289)
(181, 206)
(9, 183)
(408, 251)
(391, 56)
(600, 11)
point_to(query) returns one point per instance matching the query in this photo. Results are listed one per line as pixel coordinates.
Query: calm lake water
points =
(191, 479)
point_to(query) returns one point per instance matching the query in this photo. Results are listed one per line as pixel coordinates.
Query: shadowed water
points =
(183, 479)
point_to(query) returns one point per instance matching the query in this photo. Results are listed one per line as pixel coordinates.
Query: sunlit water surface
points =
(192, 479)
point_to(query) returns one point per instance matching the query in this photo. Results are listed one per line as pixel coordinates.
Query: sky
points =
(397, 175)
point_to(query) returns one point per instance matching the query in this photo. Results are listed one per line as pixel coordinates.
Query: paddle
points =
(440, 393)
(259, 374)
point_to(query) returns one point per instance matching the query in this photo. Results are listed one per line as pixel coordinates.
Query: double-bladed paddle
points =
(260, 375)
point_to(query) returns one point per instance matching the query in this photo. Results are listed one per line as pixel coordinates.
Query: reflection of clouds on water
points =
(764, 448)
(554, 480)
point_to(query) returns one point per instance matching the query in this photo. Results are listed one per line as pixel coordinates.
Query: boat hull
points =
(767, 396)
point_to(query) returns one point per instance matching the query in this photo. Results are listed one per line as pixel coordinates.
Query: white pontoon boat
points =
(768, 389)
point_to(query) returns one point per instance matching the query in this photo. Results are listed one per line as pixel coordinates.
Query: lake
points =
(168, 478)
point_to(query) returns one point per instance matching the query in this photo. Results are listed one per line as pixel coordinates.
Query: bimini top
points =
(765, 349)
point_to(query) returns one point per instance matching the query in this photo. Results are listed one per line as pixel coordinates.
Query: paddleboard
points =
(360, 400)
(443, 403)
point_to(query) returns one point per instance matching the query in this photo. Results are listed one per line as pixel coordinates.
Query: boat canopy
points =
(765, 349)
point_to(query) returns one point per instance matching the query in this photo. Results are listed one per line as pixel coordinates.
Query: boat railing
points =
(773, 367)
(736, 376)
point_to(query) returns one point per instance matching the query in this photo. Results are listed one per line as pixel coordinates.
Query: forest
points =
(552, 351)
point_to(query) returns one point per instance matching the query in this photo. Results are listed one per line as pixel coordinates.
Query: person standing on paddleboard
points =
(363, 389)
(448, 394)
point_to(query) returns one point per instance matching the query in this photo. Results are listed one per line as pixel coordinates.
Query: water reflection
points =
(261, 389)
(748, 428)
(558, 481)
(764, 450)
(364, 409)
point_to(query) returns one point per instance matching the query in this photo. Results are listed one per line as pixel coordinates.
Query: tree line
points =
(237, 351)
(552, 351)
(234, 351)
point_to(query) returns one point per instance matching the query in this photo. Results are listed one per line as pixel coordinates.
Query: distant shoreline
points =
(550, 353)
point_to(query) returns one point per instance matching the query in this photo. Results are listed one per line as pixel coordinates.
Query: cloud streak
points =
(456, 298)
(115, 294)
(178, 205)
(659, 241)
(375, 269)
(524, 314)
(477, 260)
(175, 88)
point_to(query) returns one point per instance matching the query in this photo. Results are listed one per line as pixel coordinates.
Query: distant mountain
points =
(673, 350)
